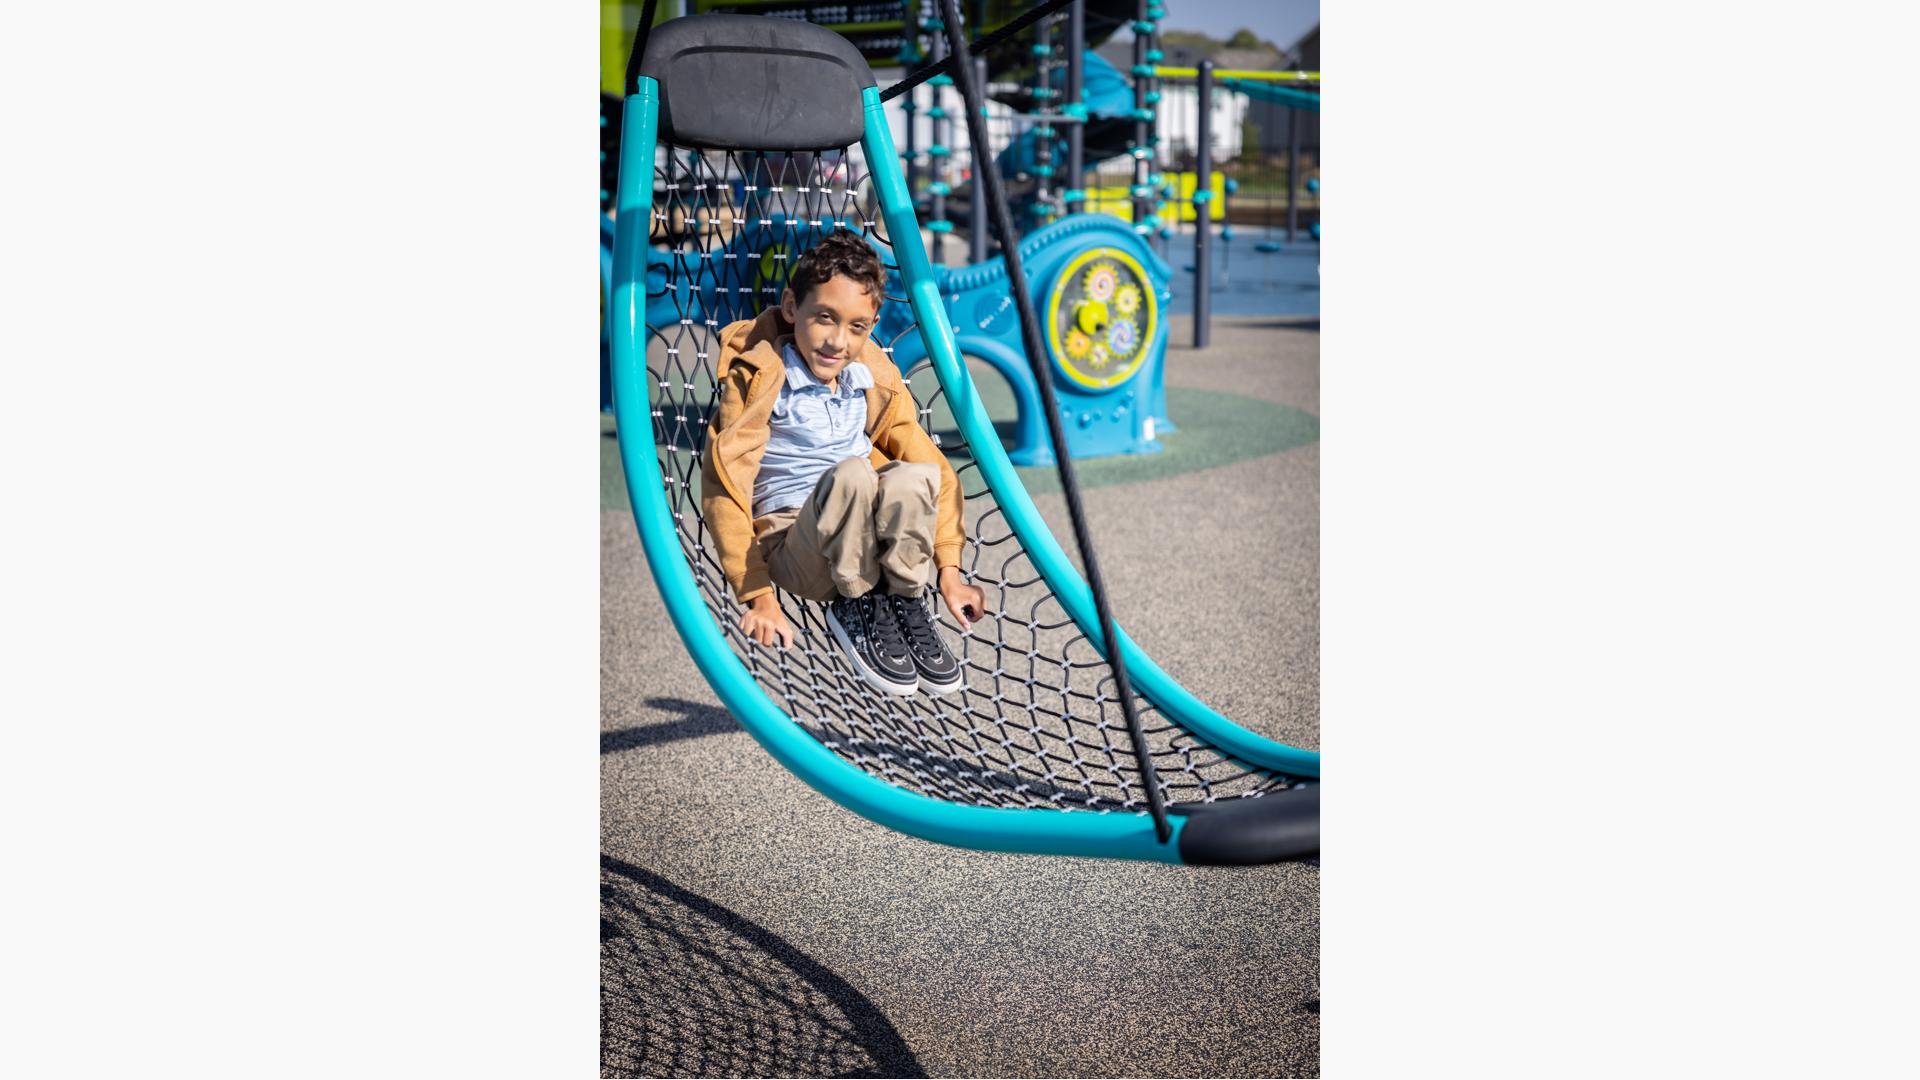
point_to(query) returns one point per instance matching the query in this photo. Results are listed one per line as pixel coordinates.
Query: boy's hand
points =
(966, 602)
(764, 622)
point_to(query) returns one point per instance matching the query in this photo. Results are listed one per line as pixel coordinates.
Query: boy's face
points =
(831, 325)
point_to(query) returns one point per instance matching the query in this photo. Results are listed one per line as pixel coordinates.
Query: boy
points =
(818, 478)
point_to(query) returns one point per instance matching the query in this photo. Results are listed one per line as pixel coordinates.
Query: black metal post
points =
(1157, 171)
(909, 147)
(973, 100)
(1203, 212)
(977, 223)
(1293, 172)
(1076, 91)
(1142, 130)
(1043, 92)
(941, 139)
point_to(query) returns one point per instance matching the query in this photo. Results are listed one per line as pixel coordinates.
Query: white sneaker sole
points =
(959, 683)
(867, 675)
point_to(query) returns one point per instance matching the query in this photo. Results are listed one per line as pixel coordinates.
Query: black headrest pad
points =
(753, 82)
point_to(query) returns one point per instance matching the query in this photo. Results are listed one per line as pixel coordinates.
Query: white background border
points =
(301, 580)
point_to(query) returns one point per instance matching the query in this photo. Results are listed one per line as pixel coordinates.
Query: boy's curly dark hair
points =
(846, 254)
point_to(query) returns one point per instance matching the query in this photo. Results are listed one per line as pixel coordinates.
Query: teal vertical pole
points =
(633, 210)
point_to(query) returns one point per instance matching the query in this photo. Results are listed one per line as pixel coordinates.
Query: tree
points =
(1189, 39)
(1245, 39)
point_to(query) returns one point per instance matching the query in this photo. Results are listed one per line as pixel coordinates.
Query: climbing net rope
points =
(1037, 724)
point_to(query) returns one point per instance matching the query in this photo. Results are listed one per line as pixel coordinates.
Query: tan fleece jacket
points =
(751, 374)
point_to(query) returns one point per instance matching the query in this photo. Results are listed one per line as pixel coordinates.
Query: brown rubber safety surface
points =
(752, 927)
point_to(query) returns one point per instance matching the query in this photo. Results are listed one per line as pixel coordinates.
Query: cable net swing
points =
(1035, 751)
(1037, 724)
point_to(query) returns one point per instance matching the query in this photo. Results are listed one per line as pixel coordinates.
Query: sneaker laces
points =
(911, 612)
(886, 627)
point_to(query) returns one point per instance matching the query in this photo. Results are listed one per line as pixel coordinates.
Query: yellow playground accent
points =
(617, 20)
(1254, 76)
(1184, 185)
(1116, 201)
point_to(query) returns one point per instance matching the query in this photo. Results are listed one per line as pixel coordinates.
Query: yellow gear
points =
(1095, 343)
(1102, 280)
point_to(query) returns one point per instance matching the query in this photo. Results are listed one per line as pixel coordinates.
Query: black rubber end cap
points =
(1251, 832)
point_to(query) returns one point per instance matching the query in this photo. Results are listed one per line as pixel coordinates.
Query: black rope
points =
(640, 33)
(983, 169)
(984, 45)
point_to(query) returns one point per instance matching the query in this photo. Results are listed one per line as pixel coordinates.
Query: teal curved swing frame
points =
(1025, 830)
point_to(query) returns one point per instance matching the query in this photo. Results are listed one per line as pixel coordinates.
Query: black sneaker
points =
(870, 636)
(939, 671)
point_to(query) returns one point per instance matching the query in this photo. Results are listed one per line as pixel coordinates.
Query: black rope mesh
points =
(1037, 724)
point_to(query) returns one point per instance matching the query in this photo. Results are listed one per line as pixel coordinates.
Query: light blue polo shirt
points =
(812, 430)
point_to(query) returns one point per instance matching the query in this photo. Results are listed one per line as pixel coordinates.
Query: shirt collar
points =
(854, 378)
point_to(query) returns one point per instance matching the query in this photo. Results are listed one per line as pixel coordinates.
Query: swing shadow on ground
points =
(700, 720)
(697, 721)
(689, 988)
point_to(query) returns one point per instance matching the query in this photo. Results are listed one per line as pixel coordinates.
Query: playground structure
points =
(1102, 290)
(1059, 114)
(1102, 287)
(1271, 88)
(1034, 754)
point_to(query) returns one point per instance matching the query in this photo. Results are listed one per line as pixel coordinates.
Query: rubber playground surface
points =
(1282, 279)
(750, 926)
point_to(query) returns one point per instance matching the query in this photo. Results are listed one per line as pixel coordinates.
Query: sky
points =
(1279, 21)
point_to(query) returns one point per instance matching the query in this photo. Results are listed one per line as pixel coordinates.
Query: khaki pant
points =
(861, 526)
